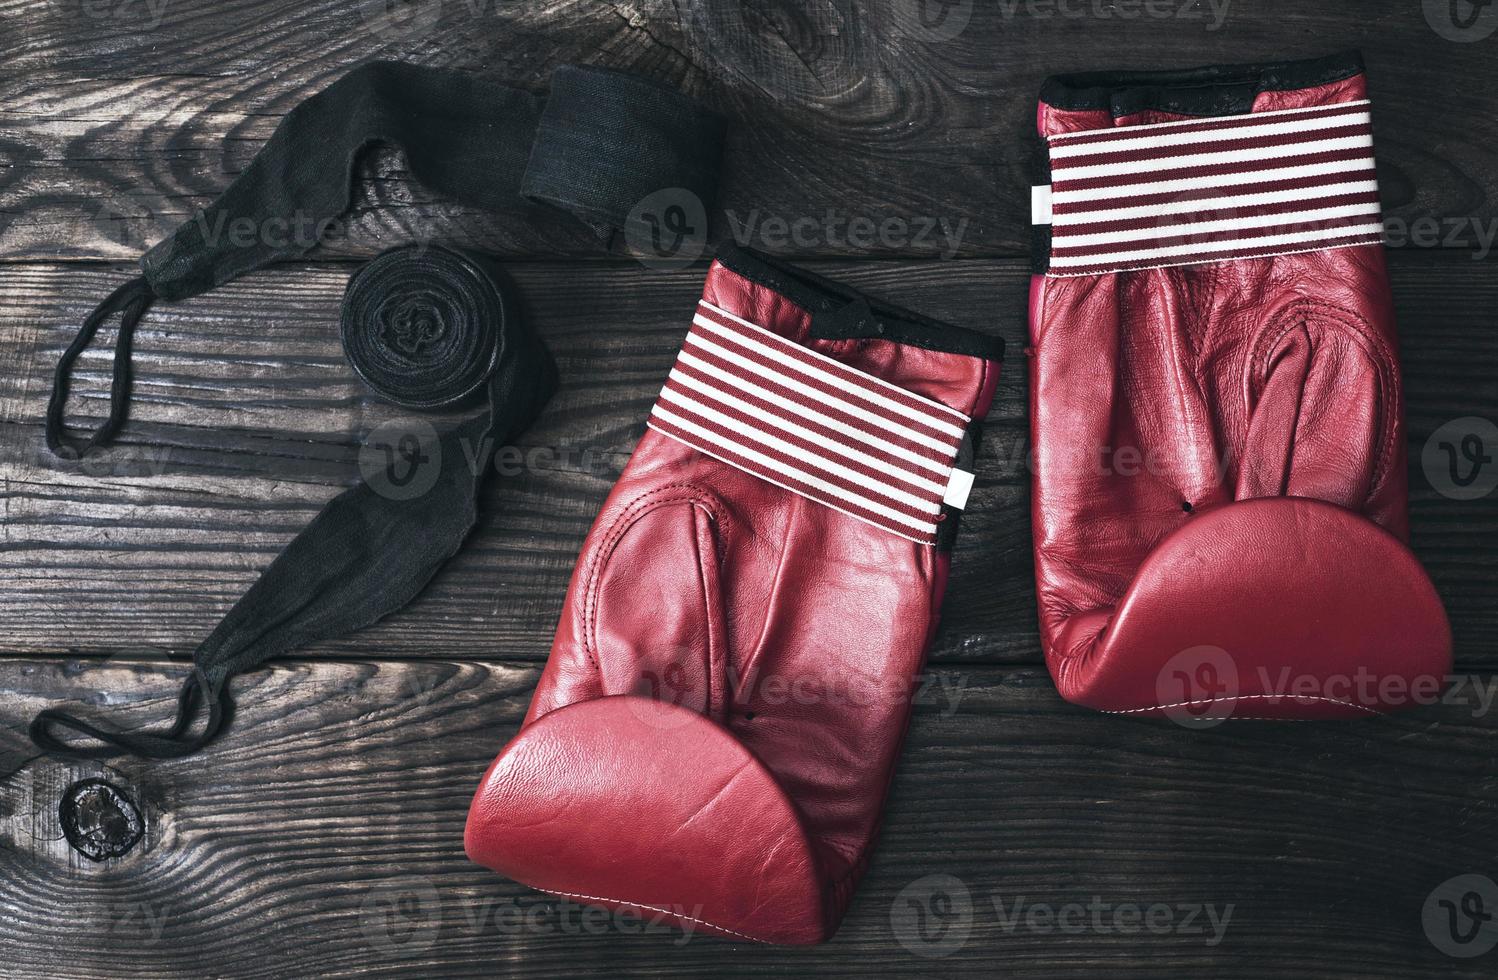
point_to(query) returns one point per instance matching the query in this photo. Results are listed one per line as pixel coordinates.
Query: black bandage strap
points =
(423, 326)
(602, 142)
(369, 551)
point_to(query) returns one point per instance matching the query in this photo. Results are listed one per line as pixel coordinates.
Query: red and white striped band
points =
(1211, 190)
(813, 425)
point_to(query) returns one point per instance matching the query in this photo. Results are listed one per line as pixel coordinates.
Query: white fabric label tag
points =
(1040, 204)
(958, 488)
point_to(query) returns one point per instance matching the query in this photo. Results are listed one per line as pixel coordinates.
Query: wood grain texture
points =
(322, 837)
(244, 426)
(322, 834)
(245, 423)
(119, 117)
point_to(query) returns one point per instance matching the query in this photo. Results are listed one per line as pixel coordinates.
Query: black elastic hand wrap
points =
(369, 552)
(424, 327)
(603, 141)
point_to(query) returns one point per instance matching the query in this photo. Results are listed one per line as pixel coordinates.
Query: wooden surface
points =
(322, 835)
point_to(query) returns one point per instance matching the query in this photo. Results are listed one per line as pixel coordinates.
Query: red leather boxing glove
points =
(714, 733)
(1219, 488)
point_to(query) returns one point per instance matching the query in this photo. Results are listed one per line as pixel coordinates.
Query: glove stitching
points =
(627, 518)
(972, 404)
(1176, 265)
(1187, 392)
(748, 674)
(652, 908)
(1244, 697)
(1378, 351)
(717, 642)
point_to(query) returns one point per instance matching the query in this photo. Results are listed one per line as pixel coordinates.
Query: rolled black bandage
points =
(424, 327)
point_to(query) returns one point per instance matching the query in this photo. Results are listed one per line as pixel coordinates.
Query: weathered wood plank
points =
(322, 836)
(119, 117)
(244, 425)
